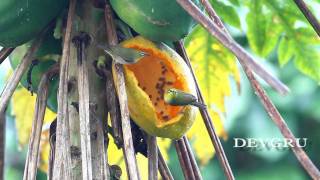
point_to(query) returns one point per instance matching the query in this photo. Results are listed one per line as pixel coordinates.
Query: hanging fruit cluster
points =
(159, 69)
(21, 21)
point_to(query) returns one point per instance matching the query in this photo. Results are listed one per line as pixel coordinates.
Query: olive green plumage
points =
(123, 55)
(177, 97)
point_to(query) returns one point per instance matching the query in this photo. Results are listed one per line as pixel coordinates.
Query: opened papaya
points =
(158, 20)
(147, 81)
(21, 21)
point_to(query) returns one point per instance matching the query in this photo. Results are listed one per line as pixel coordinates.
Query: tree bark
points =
(87, 21)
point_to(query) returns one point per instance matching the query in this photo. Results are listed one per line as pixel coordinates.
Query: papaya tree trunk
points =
(87, 109)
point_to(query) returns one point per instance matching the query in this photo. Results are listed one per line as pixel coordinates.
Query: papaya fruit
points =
(43, 60)
(158, 20)
(147, 81)
(22, 20)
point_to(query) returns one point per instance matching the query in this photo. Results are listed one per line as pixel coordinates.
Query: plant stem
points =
(206, 117)
(113, 107)
(129, 154)
(230, 44)
(268, 105)
(14, 80)
(193, 161)
(62, 161)
(152, 157)
(2, 142)
(4, 53)
(31, 165)
(283, 127)
(81, 41)
(308, 14)
(163, 167)
(184, 160)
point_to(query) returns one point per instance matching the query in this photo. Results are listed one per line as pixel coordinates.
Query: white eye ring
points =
(143, 54)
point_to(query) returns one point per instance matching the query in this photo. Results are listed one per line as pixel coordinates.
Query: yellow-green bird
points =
(123, 55)
(177, 97)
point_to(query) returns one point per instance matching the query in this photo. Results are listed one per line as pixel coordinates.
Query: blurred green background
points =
(245, 117)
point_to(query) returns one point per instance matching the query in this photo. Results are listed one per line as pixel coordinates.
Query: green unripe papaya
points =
(50, 47)
(22, 20)
(158, 20)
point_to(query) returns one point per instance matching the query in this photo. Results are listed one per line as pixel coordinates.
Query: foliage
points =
(213, 65)
(23, 103)
(271, 26)
(272, 22)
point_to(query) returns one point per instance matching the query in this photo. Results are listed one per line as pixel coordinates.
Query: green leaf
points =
(303, 41)
(268, 20)
(262, 34)
(308, 61)
(285, 51)
(213, 65)
(227, 13)
(235, 2)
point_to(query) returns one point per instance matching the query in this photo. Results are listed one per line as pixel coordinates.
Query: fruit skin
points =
(141, 108)
(158, 20)
(22, 20)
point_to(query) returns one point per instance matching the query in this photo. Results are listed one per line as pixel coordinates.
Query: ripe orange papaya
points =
(147, 81)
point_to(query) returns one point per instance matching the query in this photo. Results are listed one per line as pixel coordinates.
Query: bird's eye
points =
(144, 54)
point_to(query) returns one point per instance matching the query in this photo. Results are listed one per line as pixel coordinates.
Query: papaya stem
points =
(81, 41)
(163, 167)
(267, 103)
(62, 161)
(184, 160)
(232, 45)
(52, 141)
(283, 127)
(2, 142)
(13, 81)
(31, 165)
(206, 118)
(309, 16)
(152, 157)
(113, 107)
(193, 161)
(129, 154)
(4, 53)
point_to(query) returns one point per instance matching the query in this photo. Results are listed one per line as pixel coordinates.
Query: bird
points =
(176, 97)
(123, 55)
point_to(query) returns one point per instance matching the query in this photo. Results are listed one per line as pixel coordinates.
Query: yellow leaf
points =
(199, 137)
(23, 110)
(115, 156)
(213, 65)
(44, 150)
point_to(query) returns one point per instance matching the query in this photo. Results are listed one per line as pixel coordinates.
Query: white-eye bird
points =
(177, 97)
(123, 55)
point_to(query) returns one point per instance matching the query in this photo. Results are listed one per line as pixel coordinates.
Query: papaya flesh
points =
(148, 80)
(22, 20)
(158, 20)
